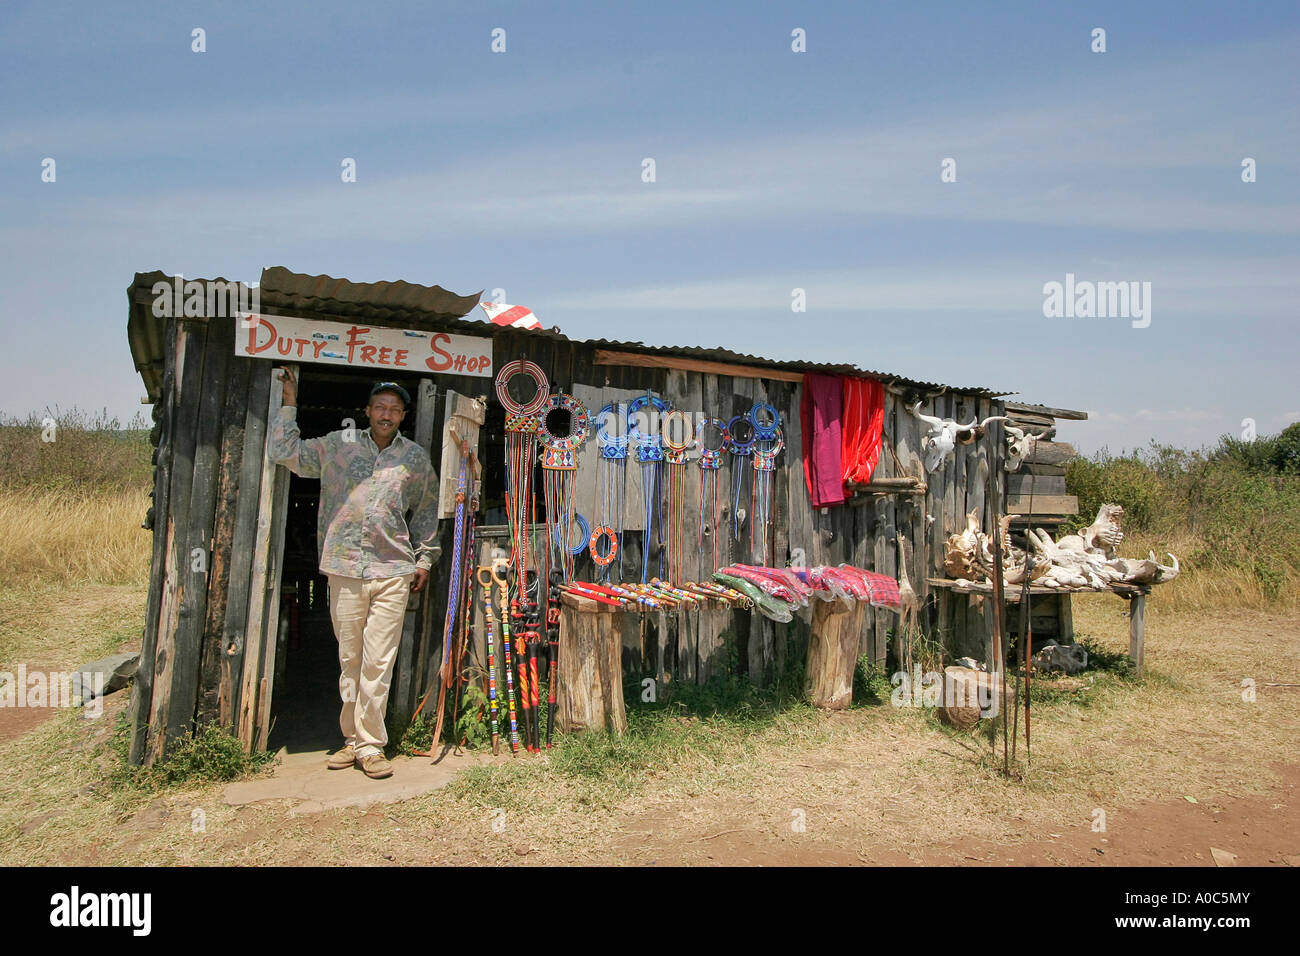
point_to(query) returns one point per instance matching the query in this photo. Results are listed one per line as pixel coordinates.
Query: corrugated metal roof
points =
(292, 290)
(425, 307)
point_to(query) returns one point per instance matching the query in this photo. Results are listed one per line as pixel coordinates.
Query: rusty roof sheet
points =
(427, 307)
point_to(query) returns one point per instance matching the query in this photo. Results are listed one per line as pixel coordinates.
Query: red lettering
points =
(400, 357)
(354, 339)
(301, 344)
(460, 363)
(284, 346)
(253, 348)
(319, 347)
(368, 353)
(384, 357)
(443, 362)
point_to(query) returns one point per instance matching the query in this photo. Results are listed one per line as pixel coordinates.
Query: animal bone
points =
(1021, 444)
(941, 439)
(960, 551)
(967, 435)
(1104, 534)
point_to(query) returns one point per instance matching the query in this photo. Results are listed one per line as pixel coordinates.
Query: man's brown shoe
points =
(343, 759)
(376, 766)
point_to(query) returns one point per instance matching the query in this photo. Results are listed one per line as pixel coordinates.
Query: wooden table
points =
(1135, 594)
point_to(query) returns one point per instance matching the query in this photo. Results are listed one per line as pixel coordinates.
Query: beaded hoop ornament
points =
(611, 446)
(533, 371)
(711, 458)
(765, 458)
(561, 449)
(676, 453)
(608, 533)
(648, 446)
(737, 445)
(766, 421)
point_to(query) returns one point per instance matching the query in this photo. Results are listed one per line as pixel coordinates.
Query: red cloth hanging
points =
(819, 414)
(862, 428)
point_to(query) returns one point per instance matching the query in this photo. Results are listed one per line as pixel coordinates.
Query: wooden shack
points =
(237, 629)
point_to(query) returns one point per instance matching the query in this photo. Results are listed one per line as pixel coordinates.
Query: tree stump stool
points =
(836, 635)
(590, 667)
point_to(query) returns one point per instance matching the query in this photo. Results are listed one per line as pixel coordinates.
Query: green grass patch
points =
(209, 756)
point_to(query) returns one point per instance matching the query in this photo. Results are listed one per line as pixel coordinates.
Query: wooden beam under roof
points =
(643, 360)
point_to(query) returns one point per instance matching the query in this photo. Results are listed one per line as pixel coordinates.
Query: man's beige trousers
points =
(368, 616)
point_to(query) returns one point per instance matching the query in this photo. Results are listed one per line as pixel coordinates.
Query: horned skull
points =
(1021, 444)
(940, 441)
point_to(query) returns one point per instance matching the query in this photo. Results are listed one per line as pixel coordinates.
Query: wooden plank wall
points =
(209, 649)
(208, 448)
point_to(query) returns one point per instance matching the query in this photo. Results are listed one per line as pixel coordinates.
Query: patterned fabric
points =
(361, 529)
(884, 589)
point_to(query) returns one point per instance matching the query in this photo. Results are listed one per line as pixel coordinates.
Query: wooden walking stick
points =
(454, 590)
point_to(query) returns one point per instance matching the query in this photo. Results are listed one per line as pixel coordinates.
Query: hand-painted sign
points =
(283, 337)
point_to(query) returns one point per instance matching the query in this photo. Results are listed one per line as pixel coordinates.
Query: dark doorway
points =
(305, 700)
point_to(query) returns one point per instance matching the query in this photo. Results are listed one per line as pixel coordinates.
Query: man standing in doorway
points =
(369, 480)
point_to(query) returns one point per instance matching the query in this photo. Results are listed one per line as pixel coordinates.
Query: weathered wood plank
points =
(1053, 453)
(204, 564)
(1021, 485)
(1044, 505)
(1068, 413)
(255, 628)
(141, 704)
(275, 634)
(243, 546)
(189, 385)
(233, 417)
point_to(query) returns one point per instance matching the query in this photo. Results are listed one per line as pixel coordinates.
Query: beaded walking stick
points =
(499, 576)
(485, 582)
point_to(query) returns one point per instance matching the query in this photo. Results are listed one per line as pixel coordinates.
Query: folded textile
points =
(819, 415)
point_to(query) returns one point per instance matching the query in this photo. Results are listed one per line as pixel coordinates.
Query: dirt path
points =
(1255, 831)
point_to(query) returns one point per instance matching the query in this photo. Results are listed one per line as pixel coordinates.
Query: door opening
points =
(306, 702)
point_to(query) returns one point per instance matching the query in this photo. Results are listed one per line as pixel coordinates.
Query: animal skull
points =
(1021, 444)
(940, 441)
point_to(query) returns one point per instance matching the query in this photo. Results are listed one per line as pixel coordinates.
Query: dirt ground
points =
(1179, 769)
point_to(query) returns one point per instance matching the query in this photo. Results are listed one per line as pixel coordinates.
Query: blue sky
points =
(775, 170)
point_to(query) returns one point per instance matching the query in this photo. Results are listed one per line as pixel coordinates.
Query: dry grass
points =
(1200, 587)
(54, 537)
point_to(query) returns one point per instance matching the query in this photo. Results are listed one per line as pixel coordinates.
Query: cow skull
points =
(940, 441)
(1021, 444)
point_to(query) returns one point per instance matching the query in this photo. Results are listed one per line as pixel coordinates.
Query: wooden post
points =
(142, 687)
(190, 342)
(833, 652)
(1137, 612)
(590, 694)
